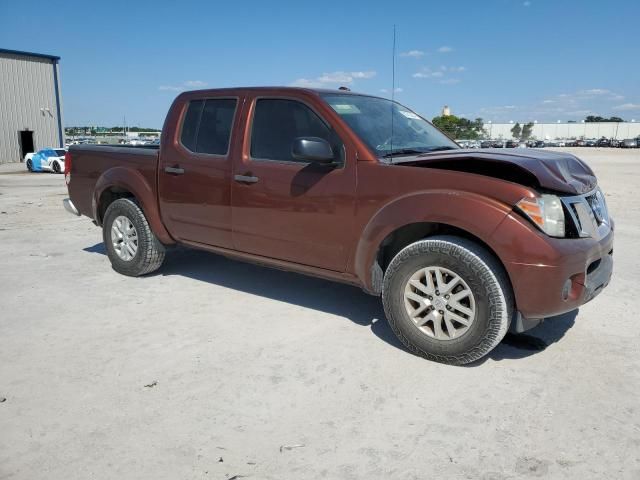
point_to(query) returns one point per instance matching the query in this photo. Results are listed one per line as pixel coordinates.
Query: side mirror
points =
(312, 149)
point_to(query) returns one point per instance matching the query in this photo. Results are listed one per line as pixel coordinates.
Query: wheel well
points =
(109, 196)
(408, 234)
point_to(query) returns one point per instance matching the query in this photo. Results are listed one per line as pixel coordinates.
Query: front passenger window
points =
(278, 122)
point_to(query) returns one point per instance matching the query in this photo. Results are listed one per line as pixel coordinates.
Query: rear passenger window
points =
(207, 125)
(190, 124)
(215, 126)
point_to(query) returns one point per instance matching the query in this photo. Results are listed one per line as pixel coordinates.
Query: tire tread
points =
(489, 270)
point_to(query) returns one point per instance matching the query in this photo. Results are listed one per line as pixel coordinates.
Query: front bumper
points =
(70, 207)
(552, 276)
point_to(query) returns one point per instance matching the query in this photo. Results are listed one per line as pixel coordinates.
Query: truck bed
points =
(90, 162)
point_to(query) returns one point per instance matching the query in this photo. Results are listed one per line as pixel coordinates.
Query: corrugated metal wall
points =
(27, 90)
(551, 131)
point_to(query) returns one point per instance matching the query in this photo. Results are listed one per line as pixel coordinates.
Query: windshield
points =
(60, 152)
(371, 119)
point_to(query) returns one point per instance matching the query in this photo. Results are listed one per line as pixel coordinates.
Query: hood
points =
(549, 170)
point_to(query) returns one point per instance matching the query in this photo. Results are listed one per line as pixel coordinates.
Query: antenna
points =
(393, 85)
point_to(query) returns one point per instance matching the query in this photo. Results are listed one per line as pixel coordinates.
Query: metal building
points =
(30, 104)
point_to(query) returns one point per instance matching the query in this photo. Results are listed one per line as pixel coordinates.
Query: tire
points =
(482, 275)
(149, 253)
(30, 165)
(55, 167)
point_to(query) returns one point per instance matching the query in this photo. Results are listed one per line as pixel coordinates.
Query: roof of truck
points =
(282, 88)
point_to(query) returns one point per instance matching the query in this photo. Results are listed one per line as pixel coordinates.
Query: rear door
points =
(194, 175)
(286, 209)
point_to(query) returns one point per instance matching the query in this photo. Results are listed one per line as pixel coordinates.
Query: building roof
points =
(29, 54)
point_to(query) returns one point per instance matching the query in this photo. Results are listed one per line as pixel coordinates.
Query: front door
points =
(286, 209)
(194, 175)
(26, 143)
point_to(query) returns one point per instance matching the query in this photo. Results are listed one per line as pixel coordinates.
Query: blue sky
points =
(500, 60)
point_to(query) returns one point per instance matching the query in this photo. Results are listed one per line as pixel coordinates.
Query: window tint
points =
(276, 123)
(190, 124)
(215, 126)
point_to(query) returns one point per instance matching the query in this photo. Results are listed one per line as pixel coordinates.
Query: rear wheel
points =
(132, 247)
(447, 299)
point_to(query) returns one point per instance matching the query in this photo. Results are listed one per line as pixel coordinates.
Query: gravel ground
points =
(214, 368)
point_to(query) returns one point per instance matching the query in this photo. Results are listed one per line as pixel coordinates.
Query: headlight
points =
(545, 212)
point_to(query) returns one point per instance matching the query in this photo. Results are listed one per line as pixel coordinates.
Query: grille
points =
(588, 214)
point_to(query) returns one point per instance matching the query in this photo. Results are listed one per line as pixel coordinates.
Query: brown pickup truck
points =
(462, 245)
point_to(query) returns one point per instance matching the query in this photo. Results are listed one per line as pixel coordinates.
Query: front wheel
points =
(30, 165)
(56, 167)
(447, 299)
(132, 247)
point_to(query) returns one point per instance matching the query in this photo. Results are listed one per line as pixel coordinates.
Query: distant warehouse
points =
(30, 104)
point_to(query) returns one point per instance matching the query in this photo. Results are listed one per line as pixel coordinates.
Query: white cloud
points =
(170, 88)
(452, 69)
(368, 74)
(549, 101)
(526, 4)
(306, 83)
(627, 107)
(445, 49)
(397, 90)
(412, 53)
(428, 74)
(333, 78)
(441, 73)
(594, 91)
(195, 83)
(183, 86)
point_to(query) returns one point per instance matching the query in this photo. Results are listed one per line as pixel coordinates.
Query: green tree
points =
(459, 127)
(597, 118)
(527, 130)
(516, 131)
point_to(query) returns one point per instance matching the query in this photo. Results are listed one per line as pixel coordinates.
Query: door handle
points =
(174, 170)
(245, 178)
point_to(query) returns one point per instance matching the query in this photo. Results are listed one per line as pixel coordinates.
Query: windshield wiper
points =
(440, 148)
(403, 151)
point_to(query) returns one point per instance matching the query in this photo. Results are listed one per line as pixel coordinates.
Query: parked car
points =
(486, 144)
(591, 142)
(536, 144)
(497, 144)
(603, 142)
(511, 144)
(461, 245)
(47, 160)
(629, 143)
(28, 156)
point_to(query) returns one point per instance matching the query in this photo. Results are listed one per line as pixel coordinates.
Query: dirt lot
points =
(214, 368)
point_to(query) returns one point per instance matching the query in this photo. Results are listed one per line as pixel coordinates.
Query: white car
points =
(47, 160)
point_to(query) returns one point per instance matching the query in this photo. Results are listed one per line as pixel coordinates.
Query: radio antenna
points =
(393, 85)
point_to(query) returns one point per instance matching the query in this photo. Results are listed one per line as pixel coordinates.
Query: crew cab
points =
(461, 244)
